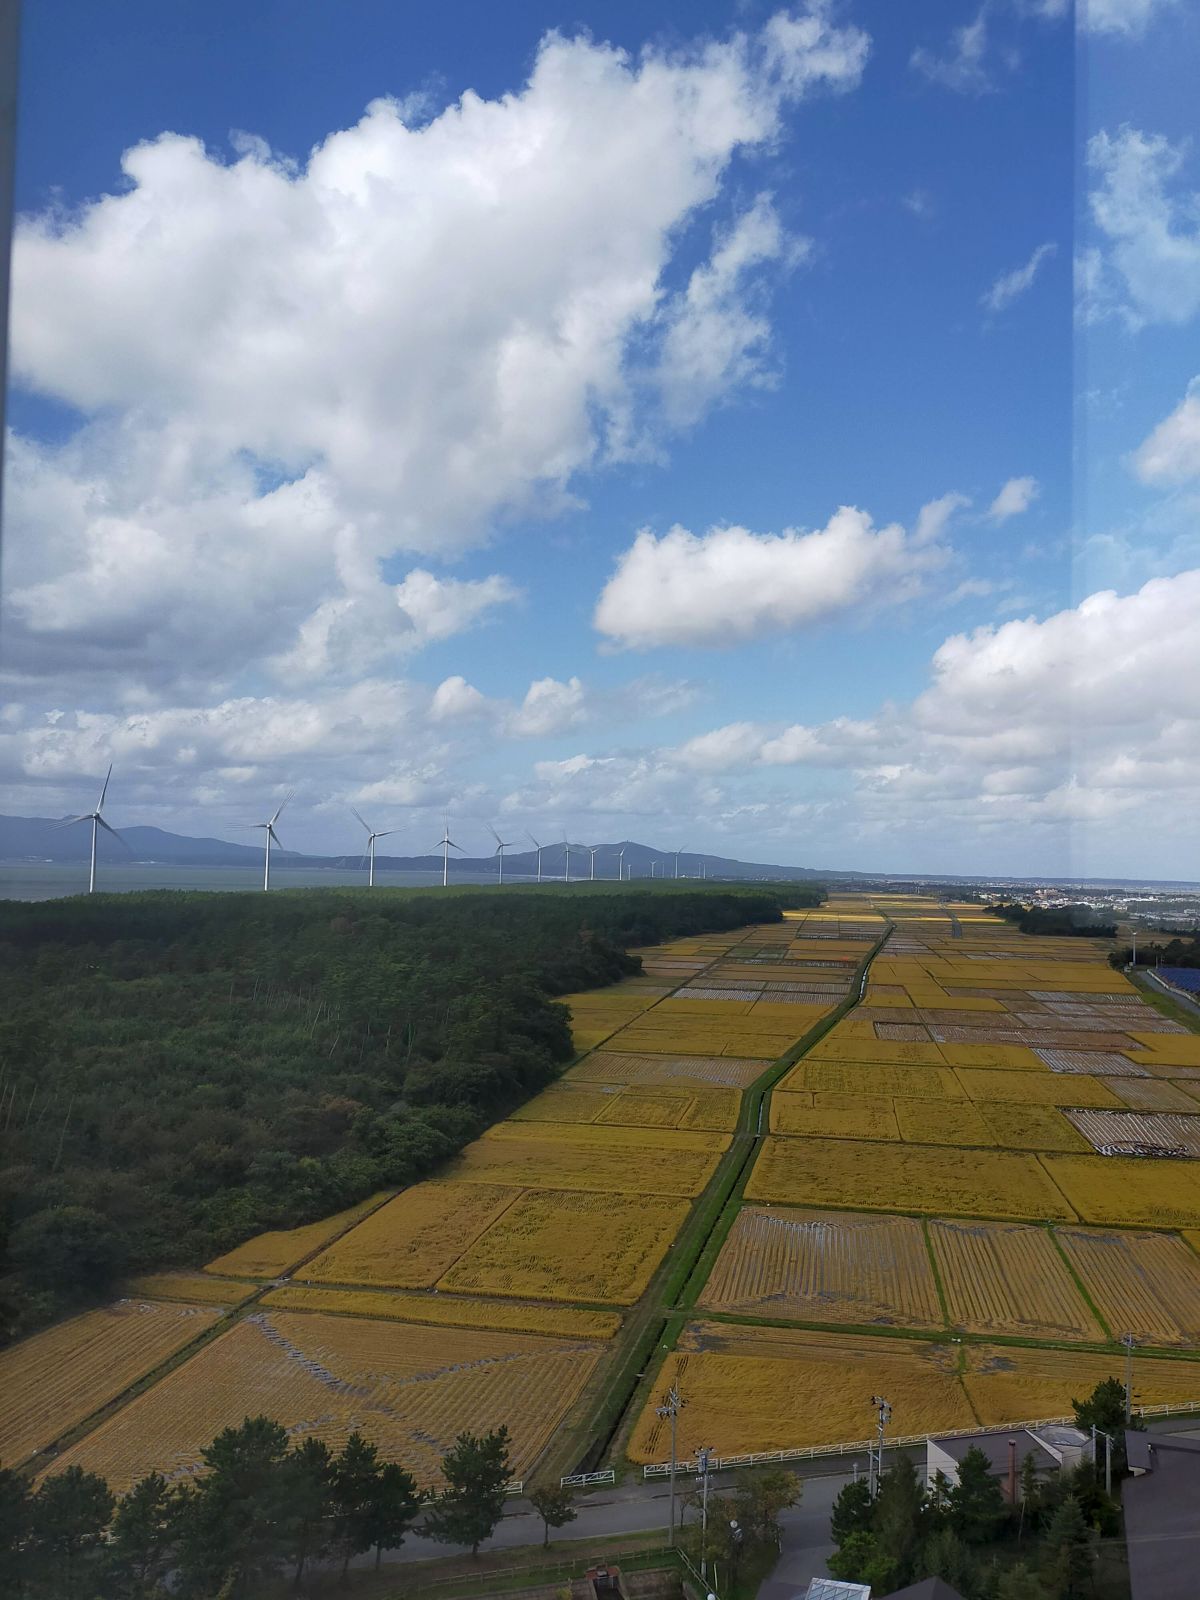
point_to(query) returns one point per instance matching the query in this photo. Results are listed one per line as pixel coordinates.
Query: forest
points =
(179, 1071)
(1057, 921)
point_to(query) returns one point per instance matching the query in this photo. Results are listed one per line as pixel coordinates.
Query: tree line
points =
(969, 1535)
(1182, 950)
(179, 1071)
(1056, 921)
(264, 1505)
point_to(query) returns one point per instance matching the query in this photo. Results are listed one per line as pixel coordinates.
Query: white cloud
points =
(1014, 499)
(961, 68)
(456, 700)
(290, 371)
(1009, 286)
(1129, 18)
(1171, 454)
(730, 584)
(549, 707)
(1144, 261)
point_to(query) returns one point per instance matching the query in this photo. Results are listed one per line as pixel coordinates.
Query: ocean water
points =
(51, 880)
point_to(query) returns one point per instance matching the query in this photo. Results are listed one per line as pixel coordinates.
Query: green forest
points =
(179, 1071)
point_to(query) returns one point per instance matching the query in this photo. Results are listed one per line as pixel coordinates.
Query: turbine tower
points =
(501, 846)
(591, 850)
(97, 821)
(678, 853)
(566, 860)
(445, 844)
(269, 835)
(621, 864)
(372, 835)
(538, 848)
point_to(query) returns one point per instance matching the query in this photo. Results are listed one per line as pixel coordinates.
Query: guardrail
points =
(585, 1480)
(755, 1458)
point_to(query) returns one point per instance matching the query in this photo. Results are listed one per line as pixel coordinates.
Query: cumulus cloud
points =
(1127, 18)
(1143, 262)
(1009, 286)
(961, 66)
(1014, 499)
(290, 371)
(549, 707)
(730, 584)
(1171, 454)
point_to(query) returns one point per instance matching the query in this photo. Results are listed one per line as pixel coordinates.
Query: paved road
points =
(1177, 995)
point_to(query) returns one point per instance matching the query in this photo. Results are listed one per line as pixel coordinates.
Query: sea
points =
(54, 880)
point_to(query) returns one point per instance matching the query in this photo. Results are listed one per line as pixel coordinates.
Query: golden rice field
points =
(565, 1102)
(702, 1070)
(670, 1164)
(835, 1116)
(1147, 1284)
(408, 1389)
(1008, 1278)
(1026, 1127)
(825, 1266)
(193, 1288)
(444, 1310)
(752, 1388)
(933, 1179)
(1036, 1088)
(410, 1242)
(856, 1078)
(1129, 1192)
(942, 1122)
(1014, 1384)
(52, 1381)
(569, 1246)
(269, 1255)
(635, 1105)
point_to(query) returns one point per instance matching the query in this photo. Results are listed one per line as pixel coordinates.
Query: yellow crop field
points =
(1014, 1057)
(942, 1122)
(1024, 1127)
(1147, 1284)
(905, 1177)
(713, 1108)
(771, 1388)
(849, 1077)
(53, 1380)
(1168, 1049)
(1005, 1277)
(590, 1137)
(825, 1266)
(614, 1162)
(568, 1246)
(408, 1389)
(564, 1102)
(1036, 1088)
(646, 1108)
(411, 1241)
(885, 1052)
(194, 1288)
(1013, 1384)
(836, 1116)
(1129, 1192)
(269, 1255)
(447, 1311)
(701, 1070)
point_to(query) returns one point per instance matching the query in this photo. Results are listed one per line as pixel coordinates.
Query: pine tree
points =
(898, 1523)
(1020, 1583)
(1104, 1409)
(16, 1515)
(976, 1504)
(396, 1504)
(235, 1522)
(852, 1511)
(476, 1469)
(308, 1473)
(1031, 1490)
(945, 1555)
(555, 1506)
(355, 1497)
(1068, 1554)
(69, 1515)
(142, 1536)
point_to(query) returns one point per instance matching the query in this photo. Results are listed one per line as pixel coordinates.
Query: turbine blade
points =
(69, 822)
(493, 833)
(387, 833)
(104, 790)
(532, 840)
(109, 829)
(282, 803)
(360, 818)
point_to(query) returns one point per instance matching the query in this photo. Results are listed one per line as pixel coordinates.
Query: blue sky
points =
(590, 276)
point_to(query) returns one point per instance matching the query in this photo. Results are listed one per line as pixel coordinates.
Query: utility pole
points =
(671, 1407)
(1128, 1340)
(1108, 1444)
(702, 1456)
(883, 1412)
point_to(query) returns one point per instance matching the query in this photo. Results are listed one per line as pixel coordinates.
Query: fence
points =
(756, 1458)
(587, 1480)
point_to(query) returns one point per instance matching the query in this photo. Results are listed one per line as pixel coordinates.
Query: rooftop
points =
(1162, 1515)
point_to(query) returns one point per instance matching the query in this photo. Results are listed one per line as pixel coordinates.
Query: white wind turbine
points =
(268, 836)
(566, 860)
(372, 835)
(445, 844)
(501, 846)
(97, 821)
(538, 848)
(591, 850)
(678, 853)
(621, 864)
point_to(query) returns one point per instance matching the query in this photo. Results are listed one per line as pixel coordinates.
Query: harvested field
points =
(1147, 1284)
(270, 1255)
(415, 1238)
(1035, 1088)
(1135, 1132)
(825, 1266)
(835, 1116)
(720, 1071)
(53, 1380)
(447, 1311)
(933, 1179)
(772, 1388)
(1100, 1063)
(408, 1389)
(1008, 1278)
(1151, 1094)
(1012, 1384)
(1129, 1192)
(569, 1246)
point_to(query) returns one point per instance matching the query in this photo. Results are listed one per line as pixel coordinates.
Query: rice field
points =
(705, 1071)
(1138, 1132)
(270, 1255)
(53, 1380)
(1011, 1384)
(825, 1266)
(837, 1116)
(415, 1238)
(1008, 1278)
(1147, 1284)
(1129, 1192)
(447, 1311)
(408, 1389)
(568, 1246)
(192, 1288)
(617, 1160)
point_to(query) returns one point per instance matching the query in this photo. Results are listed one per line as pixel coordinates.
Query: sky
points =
(770, 429)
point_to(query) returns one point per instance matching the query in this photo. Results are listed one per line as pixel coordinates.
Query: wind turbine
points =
(591, 850)
(97, 821)
(566, 860)
(372, 835)
(621, 864)
(445, 844)
(678, 853)
(538, 848)
(270, 834)
(501, 846)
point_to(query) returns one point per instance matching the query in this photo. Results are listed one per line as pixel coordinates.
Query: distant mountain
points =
(45, 839)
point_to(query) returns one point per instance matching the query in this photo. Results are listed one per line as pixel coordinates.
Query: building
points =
(927, 1589)
(1054, 1447)
(1162, 1515)
(835, 1589)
